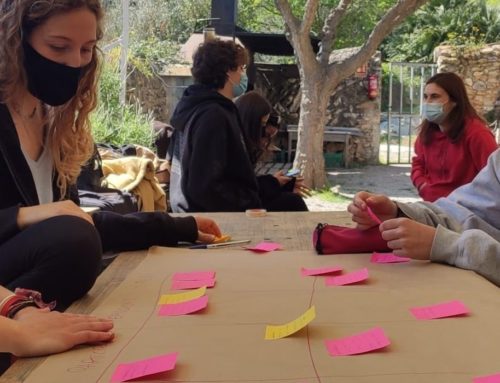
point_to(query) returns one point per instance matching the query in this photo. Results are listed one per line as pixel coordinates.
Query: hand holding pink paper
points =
(372, 215)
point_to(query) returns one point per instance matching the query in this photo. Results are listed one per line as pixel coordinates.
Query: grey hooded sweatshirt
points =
(468, 223)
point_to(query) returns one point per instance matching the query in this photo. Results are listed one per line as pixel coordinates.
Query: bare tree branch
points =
(291, 21)
(330, 30)
(300, 39)
(391, 19)
(311, 9)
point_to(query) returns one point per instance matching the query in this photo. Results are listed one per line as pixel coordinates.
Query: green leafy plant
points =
(117, 124)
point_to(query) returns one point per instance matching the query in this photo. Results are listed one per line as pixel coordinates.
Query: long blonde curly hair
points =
(69, 133)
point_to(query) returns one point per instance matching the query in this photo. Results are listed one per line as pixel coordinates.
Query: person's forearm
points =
(9, 338)
(472, 250)
(429, 214)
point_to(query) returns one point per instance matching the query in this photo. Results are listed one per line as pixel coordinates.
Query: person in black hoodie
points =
(211, 170)
(48, 74)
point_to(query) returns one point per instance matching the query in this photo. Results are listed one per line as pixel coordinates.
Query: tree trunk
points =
(309, 154)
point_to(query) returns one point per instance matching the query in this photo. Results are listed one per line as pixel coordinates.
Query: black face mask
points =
(52, 83)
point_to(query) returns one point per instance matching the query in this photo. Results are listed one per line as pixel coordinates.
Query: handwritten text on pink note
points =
(370, 340)
(133, 370)
(183, 308)
(372, 215)
(487, 379)
(347, 279)
(387, 258)
(320, 271)
(186, 285)
(441, 310)
(194, 276)
(265, 247)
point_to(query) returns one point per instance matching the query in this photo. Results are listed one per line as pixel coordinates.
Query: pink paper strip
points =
(183, 308)
(387, 258)
(441, 310)
(347, 279)
(194, 276)
(372, 215)
(370, 340)
(186, 285)
(320, 271)
(133, 370)
(487, 379)
(265, 247)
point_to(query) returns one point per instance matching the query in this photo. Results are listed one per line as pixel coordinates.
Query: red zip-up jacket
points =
(443, 165)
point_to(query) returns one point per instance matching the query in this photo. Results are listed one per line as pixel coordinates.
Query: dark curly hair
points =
(213, 59)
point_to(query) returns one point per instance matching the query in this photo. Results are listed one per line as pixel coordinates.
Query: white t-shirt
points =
(42, 171)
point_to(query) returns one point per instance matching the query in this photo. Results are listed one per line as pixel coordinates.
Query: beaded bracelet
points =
(21, 299)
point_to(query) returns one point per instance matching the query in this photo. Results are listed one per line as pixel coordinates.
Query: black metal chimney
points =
(224, 13)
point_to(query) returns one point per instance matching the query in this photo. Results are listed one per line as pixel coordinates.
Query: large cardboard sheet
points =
(225, 342)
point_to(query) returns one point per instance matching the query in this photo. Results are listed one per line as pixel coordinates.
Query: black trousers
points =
(286, 201)
(60, 257)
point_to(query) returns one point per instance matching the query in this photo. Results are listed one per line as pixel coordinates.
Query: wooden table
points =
(225, 343)
(294, 230)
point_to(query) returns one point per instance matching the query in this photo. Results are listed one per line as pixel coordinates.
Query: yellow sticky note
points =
(222, 238)
(182, 297)
(282, 331)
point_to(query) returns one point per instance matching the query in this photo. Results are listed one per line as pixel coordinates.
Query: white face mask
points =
(434, 112)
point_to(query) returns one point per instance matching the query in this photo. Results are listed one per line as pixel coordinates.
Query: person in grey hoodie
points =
(461, 230)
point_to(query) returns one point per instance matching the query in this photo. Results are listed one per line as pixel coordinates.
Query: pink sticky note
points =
(194, 276)
(487, 379)
(370, 340)
(186, 285)
(441, 310)
(347, 279)
(183, 308)
(387, 258)
(372, 215)
(265, 247)
(133, 370)
(320, 271)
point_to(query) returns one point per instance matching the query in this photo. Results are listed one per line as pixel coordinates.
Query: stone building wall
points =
(479, 67)
(349, 105)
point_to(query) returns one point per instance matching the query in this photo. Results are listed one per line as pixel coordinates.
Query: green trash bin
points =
(333, 159)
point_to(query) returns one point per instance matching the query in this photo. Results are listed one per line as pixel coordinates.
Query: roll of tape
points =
(256, 213)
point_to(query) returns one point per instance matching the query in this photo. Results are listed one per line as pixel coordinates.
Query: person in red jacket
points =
(454, 142)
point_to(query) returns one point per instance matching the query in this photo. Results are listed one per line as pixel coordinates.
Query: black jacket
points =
(118, 232)
(211, 170)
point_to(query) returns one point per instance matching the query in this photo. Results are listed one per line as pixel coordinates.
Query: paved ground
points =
(393, 180)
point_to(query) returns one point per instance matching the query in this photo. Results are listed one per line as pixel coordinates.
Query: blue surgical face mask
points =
(434, 113)
(241, 88)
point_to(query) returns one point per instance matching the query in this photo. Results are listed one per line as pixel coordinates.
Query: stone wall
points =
(349, 105)
(159, 94)
(479, 67)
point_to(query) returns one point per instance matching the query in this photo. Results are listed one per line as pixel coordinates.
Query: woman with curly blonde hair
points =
(48, 83)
